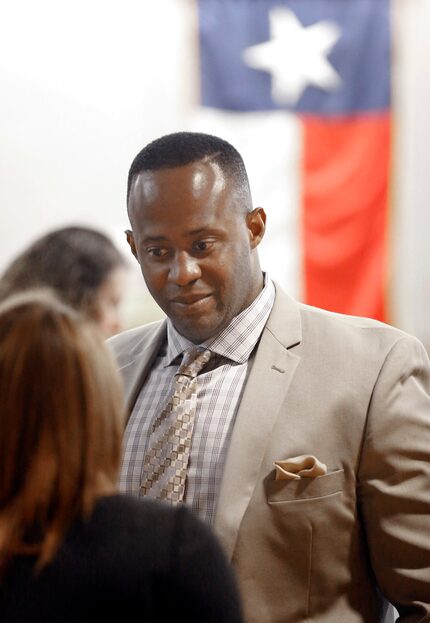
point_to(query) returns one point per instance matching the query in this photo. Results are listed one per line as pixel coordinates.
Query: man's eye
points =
(202, 245)
(157, 251)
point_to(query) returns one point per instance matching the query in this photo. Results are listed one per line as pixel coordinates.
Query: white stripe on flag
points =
(270, 144)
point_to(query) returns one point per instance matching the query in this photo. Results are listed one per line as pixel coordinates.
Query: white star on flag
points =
(295, 56)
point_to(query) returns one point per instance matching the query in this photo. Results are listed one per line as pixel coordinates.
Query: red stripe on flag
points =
(345, 190)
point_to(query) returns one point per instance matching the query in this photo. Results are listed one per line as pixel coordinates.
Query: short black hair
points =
(182, 148)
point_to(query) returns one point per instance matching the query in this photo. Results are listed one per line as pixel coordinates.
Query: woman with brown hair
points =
(71, 548)
(81, 264)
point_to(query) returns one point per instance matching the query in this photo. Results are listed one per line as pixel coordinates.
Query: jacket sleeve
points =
(394, 480)
(203, 584)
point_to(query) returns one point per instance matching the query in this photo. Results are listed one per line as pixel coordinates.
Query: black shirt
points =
(131, 560)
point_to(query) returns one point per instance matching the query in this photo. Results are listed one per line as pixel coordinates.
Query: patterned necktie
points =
(166, 460)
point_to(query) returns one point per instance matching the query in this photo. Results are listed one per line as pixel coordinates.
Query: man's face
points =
(195, 245)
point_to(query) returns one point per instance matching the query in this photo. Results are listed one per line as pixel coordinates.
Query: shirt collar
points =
(238, 339)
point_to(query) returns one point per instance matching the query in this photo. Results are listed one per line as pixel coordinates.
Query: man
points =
(310, 449)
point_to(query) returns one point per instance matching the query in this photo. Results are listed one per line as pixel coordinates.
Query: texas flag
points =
(302, 89)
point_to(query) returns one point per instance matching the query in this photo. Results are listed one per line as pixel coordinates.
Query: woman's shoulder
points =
(130, 515)
(129, 510)
(150, 527)
(155, 554)
(122, 532)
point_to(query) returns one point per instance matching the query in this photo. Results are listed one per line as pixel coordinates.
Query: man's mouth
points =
(190, 302)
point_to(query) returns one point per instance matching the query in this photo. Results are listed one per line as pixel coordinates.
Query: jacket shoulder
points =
(312, 329)
(346, 322)
(353, 335)
(127, 341)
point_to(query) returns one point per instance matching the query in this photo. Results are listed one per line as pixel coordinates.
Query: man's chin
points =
(196, 331)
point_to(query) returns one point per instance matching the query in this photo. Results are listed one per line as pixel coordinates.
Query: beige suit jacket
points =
(354, 393)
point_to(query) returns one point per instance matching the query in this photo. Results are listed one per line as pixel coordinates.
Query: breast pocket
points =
(289, 491)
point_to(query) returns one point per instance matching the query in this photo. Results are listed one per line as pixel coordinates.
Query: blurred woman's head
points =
(81, 264)
(60, 423)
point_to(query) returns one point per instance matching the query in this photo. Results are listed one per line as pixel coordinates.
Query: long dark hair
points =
(60, 423)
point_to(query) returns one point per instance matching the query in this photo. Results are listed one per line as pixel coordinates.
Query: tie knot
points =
(193, 361)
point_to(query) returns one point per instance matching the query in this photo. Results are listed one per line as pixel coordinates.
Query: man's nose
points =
(184, 269)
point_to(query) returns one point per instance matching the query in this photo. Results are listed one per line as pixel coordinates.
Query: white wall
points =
(84, 85)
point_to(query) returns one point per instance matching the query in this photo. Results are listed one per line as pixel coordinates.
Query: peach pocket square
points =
(297, 467)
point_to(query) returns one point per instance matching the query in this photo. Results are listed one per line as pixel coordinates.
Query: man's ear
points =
(130, 240)
(256, 223)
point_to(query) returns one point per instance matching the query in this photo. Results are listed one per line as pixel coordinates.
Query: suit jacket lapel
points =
(135, 365)
(271, 373)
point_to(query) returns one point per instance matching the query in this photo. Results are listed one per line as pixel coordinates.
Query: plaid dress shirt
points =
(219, 390)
